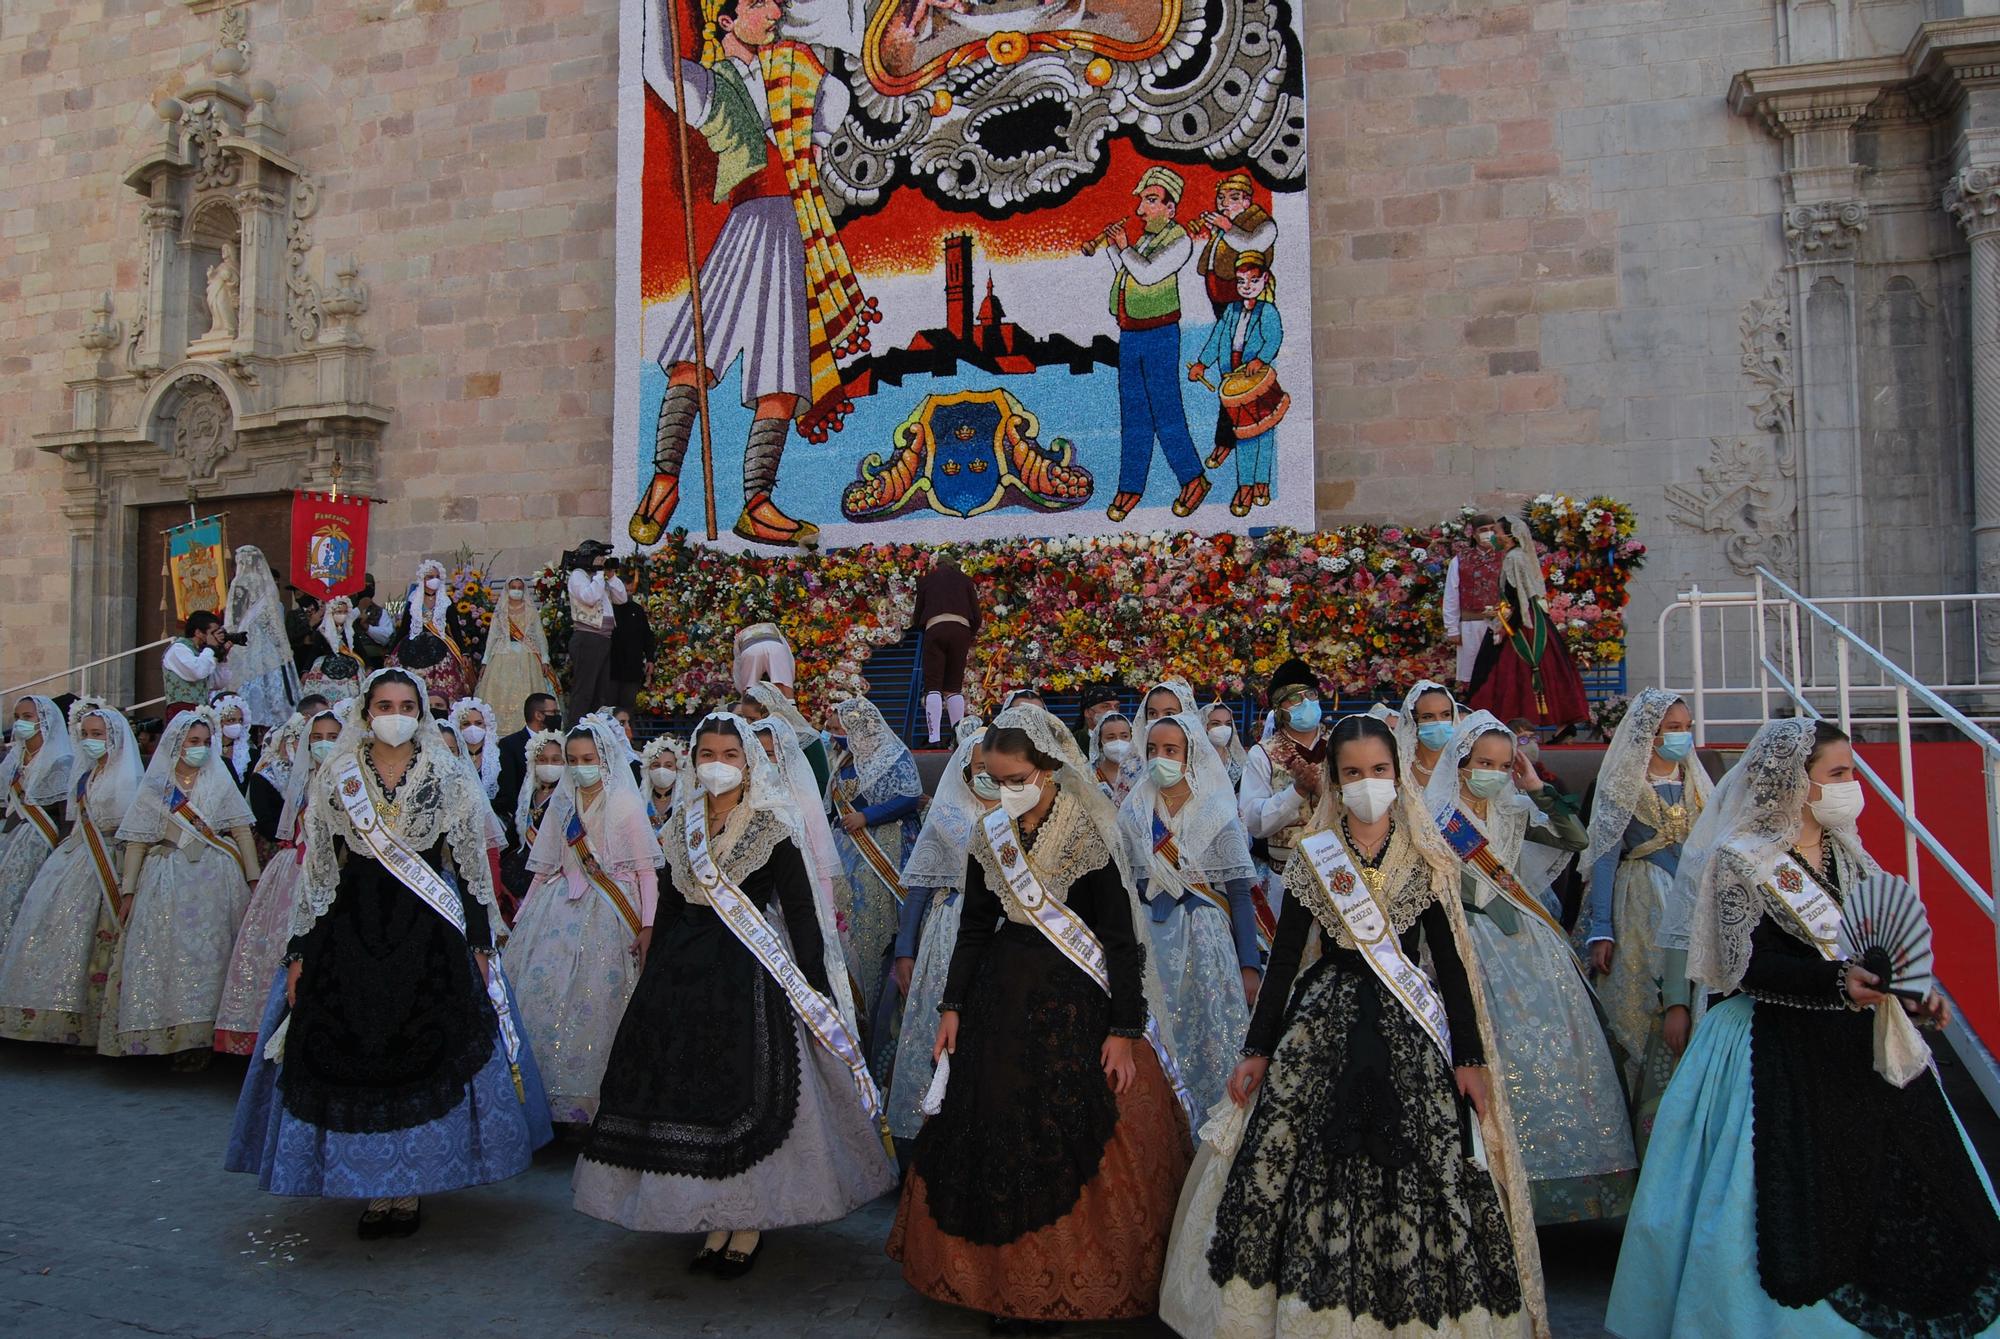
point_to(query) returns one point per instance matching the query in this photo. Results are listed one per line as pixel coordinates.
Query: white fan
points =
(1883, 927)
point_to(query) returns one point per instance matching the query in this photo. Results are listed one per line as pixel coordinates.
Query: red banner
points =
(329, 544)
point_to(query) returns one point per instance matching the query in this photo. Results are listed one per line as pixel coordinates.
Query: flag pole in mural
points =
(195, 573)
(329, 543)
(920, 269)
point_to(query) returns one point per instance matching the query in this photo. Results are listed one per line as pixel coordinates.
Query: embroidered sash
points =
(864, 841)
(1267, 919)
(1469, 844)
(1072, 938)
(100, 856)
(1167, 849)
(411, 870)
(1363, 919)
(35, 813)
(1813, 913)
(742, 918)
(182, 808)
(451, 646)
(579, 847)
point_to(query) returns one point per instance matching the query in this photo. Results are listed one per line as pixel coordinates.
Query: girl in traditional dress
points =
(479, 743)
(822, 856)
(336, 676)
(1112, 765)
(1806, 1176)
(1044, 1187)
(389, 1064)
(1180, 830)
(1650, 790)
(1220, 722)
(575, 951)
(188, 866)
(1569, 1107)
(267, 925)
(432, 641)
(736, 1100)
(517, 652)
(661, 760)
(34, 780)
(1524, 670)
(545, 770)
(263, 668)
(876, 795)
(764, 700)
(265, 793)
(1169, 697)
(1342, 1194)
(232, 742)
(935, 876)
(1423, 728)
(52, 976)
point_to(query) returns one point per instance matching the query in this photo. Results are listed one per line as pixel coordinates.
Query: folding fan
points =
(1883, 928)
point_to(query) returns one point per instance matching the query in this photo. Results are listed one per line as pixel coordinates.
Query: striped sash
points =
(1469, 844)
(1168, 851)
(35, 813)
(100, 855)
(579, 845)
(182, 807)
(864, 841)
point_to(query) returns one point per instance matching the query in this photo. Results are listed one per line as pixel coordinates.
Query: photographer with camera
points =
(593, 592)
(195, 664)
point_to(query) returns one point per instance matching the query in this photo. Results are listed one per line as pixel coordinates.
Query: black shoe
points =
(705, 1260)
(405, 1222)
(735, 1264)
(374, 1224)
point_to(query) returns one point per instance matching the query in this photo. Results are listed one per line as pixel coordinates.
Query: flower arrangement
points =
(1361, 603)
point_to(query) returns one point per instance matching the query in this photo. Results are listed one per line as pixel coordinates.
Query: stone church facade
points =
(1734, 261)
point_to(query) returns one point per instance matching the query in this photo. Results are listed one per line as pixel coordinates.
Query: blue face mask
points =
(1305, 716)
(1434, 735)
(1676, 745)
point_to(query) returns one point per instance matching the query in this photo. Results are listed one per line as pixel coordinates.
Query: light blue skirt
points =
(1688, 1267)
(489, 1136)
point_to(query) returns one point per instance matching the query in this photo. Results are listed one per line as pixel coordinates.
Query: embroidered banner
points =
(195, 571)
(329, 544)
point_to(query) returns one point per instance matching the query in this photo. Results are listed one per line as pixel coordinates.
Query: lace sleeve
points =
(466, 834)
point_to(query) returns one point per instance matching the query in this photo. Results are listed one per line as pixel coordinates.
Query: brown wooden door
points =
(265, 521)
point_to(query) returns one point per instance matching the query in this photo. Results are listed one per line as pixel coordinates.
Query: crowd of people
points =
(1270, 1026)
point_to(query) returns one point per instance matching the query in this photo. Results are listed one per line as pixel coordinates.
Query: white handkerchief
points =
(934, 1095)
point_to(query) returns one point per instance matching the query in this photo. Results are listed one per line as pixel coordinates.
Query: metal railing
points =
(63, 675)
(1753, 654)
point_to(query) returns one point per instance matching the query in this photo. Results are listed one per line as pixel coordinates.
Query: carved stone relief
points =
(1824, 231)
(204, 429)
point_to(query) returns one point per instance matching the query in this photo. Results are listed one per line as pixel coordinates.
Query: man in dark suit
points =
(541, 713)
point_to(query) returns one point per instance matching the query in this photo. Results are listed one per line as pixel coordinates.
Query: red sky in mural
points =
(904, 235)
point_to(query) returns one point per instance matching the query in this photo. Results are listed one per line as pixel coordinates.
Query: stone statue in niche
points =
(225, 296)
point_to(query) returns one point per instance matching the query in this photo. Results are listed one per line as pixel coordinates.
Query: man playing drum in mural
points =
(776, 289)
(1237, 226)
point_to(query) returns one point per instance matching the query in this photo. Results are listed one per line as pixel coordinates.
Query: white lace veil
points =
(937, 858)
(1751, 821)
(298, 784)
(1406, 720)
(1211, 839)
(1508, 814)
(487, 764)
(339, 637)
(47, 779)
(280, 753)
(1622, 778)
(1097, 739)
(114, 779)
(662, 746)
(255, 607)
(440, 602)
(1142, 720)
(238, 748)
(773, 700)
(616, 827)
(883, 765)
(214, 797)
(525, 801)
(1521, 568)
(1233, 754)
(500, 633)
(815, 841)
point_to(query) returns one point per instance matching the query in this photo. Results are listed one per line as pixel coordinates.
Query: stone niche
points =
(235, 371)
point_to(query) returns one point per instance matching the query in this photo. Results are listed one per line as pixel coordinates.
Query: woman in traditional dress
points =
(545, 771)
(1806, 1175)
(263, 668)
(1169, 697)
(1044, 1187)
(1111, 763)
(1569, 1106)
(232, 741)
(52, 976)
(267, 925)
(265, 793)
(661, 761)
(188, 865)
(1423, 728)
(517, 652)
(1342, 1194)
(876, 795)
(935, 876)
(736, 1100)
(479, 742)
(1182, 835)
(574, 955)
(1524, 670)
(823, 866)
(34, 780)
(389, 1064)
(1220, 722)
(763, 701)
(432, 642)
(1650, 790)
(336, 676)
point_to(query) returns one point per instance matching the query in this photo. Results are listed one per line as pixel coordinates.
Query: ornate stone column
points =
(1821, 239)
(1972, 198)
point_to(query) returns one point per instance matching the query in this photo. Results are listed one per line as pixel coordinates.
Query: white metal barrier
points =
(13, 691)
(1742, 657)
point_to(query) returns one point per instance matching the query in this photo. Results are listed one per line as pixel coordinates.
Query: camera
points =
(236, 638)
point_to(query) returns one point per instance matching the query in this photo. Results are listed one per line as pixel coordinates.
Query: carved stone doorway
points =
(264, 520)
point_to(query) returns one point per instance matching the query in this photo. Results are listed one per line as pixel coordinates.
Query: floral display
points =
(1359, 602)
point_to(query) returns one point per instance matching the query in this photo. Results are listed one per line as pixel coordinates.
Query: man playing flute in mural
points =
(776, 288)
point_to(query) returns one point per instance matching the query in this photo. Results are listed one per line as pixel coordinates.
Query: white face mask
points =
(195, 755)
(473, 735)
(430, 583)
(548, 773)
(719, 778)
(232, 731)
(1165, 772)
(1118, 750)
(586, 775)
(517, 595)
(93, 748)
(320, 749)
(1220, 735)
(395, 731)
(1019, 799)
(663, 778)
(1839, 805)
(1369, 798)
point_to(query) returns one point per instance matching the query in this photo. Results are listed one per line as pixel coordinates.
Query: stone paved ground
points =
(116, 1218)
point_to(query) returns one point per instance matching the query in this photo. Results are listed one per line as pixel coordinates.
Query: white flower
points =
(1420, 554)
(1576, 623)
